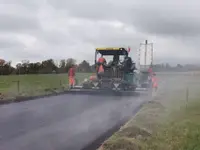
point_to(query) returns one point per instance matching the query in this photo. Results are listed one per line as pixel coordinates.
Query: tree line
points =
(177, 68)
(45, 67)
(50, 66)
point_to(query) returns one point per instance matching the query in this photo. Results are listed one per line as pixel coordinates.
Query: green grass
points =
(164, 123)
(138, 129)
(179, 131)
(34, 84)
(182, 132)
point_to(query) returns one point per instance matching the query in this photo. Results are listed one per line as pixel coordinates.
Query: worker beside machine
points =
(101, 60)
(101, 66)
(115, 61)
(71, 76)
(154, 82)
(128, 65)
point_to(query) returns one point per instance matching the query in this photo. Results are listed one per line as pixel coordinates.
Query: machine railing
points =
(113, 72)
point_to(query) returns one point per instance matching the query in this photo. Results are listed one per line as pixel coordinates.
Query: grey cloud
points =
(111, 38)
(10, 43)
(34, 5)
(166, 18)
(165, 22)
(10, 23)
(155, 17)
(18, 54)
(95, 10)
(55, 37)
(97, 35)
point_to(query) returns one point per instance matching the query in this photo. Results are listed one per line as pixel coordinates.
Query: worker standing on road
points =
(154, 82)
(150, 70)
(71, 76)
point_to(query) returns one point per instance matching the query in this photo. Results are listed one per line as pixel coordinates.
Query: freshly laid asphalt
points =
(65, 122)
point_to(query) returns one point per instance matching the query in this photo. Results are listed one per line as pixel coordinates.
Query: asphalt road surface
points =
(66, 122)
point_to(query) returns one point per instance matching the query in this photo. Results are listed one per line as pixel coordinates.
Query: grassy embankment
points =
(170, 122)
(31, 85)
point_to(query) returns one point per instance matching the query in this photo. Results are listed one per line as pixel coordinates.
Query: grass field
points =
(181, 132)
(171, 121)
(34, 84)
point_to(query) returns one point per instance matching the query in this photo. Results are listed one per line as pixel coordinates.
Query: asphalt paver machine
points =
(118, 75)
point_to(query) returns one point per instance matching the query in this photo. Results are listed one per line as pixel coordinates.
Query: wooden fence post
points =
(187, 96)
(60, 83)
(18, 86)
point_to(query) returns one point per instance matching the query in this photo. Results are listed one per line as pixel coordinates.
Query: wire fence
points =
(34, 85)
(35, 88)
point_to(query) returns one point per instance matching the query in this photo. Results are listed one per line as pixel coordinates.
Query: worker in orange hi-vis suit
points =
(101, 60)
(154, 82)
(150, 71)
(71, 75)
(100, 68)
(93, 77)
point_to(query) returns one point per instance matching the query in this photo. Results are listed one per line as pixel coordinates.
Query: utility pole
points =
(145, 53)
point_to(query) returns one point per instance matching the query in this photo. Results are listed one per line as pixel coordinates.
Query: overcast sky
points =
(42, 29)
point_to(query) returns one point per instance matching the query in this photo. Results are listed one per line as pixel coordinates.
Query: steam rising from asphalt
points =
(62, 122)
(99, 119)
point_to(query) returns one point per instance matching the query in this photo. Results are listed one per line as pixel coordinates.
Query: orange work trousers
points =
(71, 80)
(155, 84)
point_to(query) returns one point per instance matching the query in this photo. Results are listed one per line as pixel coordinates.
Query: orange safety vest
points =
(100, 69)
(154, 82)
(101, 60)
(71, 80)
(150, 71)
(71, 72)
(71, 75)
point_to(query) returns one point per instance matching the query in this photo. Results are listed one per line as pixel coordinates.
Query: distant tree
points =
(179, 66)
(48, 66)
(69, 63)
(2, 62)
(25, 67)
(167, 66)
(62, 66)
(84, 66)
(62, 63)
(5, 67)
(93, 69)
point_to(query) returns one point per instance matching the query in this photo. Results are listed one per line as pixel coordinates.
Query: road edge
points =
(107, 134)
(19, 99)
(141, 131)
